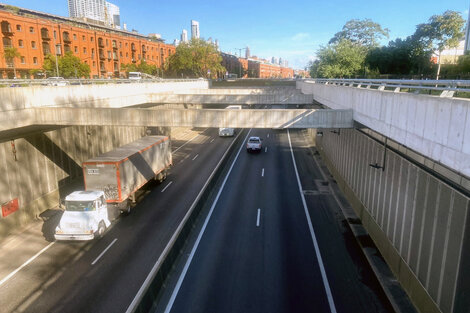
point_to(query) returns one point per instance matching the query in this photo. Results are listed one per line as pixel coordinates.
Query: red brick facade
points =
(255, 68)
(35, 34)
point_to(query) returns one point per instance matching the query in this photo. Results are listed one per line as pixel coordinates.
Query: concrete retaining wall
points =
(420, 224)
(108, 95)
(36, 168)
(430, 125)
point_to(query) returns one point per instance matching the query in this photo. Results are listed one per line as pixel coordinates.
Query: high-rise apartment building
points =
(194, 29)
(113, 15)
(97, 10)
(184, 36)
(247, 52)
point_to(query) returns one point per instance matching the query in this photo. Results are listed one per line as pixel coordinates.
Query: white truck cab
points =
(85, 216)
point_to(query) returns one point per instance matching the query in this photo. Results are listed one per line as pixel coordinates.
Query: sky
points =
(293, 30)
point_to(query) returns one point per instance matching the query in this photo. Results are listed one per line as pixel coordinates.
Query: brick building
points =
(254, 67)
(35, 34)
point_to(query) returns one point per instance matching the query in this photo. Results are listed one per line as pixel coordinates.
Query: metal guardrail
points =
(66, 82)
(447, 87)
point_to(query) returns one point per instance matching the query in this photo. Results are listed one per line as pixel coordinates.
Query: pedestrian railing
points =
(65, 82)
(443, 88)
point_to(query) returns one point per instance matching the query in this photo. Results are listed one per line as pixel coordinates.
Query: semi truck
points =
(110, 181)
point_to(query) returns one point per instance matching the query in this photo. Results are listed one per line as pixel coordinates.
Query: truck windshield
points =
(79, 206)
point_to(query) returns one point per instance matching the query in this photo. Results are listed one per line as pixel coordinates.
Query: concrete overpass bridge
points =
(402, 159)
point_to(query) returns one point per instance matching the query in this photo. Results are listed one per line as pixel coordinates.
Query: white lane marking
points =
(25, 264)
(195, 157)
(262, 172)
(104, 251)
(312, 232)
(212, 140)
(268, 135)
(266, 149)
(189, 141)
(145, 285)
(196, 244)
(257, 218)
(163, 190)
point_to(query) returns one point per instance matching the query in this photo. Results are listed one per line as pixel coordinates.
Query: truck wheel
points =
(101, 229)
(127, 211)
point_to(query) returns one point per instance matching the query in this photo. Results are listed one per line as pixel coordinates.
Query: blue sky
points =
(293, 30)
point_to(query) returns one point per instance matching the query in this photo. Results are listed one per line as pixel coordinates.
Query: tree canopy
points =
(362, 32)
(196, 58)
(341, 59)
(69, 66)
(10, 54)
(142, 67)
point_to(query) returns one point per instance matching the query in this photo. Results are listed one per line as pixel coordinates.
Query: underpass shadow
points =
(51, 219)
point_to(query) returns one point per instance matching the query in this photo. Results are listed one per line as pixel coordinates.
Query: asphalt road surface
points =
(265, 248)
(105, 275)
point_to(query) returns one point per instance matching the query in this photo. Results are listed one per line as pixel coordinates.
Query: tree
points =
(69, 66)
(400, 57)
(362, 32)
(441, 32)
(338, 60)
(10, 54)
(196, 58)
(142, 67)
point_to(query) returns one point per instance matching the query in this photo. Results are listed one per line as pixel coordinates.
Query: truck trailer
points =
(117, 174)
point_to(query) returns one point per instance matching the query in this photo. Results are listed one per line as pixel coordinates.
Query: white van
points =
(85, 216)
(135, 75)
(227, 131)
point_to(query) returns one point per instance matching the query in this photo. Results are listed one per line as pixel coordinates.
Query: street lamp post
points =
(240, 63)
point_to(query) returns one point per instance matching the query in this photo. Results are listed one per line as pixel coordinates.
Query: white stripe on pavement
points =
(196, 244)
(163, 190)
(195, 157)
(262, 172)
(312, 232)
(257, 218)
(104, 251)
(25, 264)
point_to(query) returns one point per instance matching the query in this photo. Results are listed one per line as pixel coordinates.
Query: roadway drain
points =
(322, 186)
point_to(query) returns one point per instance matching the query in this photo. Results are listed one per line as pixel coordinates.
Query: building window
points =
(120, 54)
(33, 44)
(91, 39)
(120, 45)
(76, 49)
(94, 64)
(84, 50)
(92, 52)
(127, 55)
(106, 42)
(35, 60)
(23, 60)
(126, 44)
(83, 38)
(55, 34)
(109, 54)
(18, 28)
(31, 29)
(20, 43)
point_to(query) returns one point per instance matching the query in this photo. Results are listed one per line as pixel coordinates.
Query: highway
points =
(256, 250)
(105, 275)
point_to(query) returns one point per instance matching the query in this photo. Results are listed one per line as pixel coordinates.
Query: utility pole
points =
(240, 63)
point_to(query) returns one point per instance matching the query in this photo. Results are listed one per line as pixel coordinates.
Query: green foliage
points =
(338, 60)
(69, 66)
(12, 8)
(362, 32)
(142, 67)
(195, 59)
(441, 31)
(400, 57)
(10, 54)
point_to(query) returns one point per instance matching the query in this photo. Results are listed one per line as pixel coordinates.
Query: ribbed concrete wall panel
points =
(425, 220)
